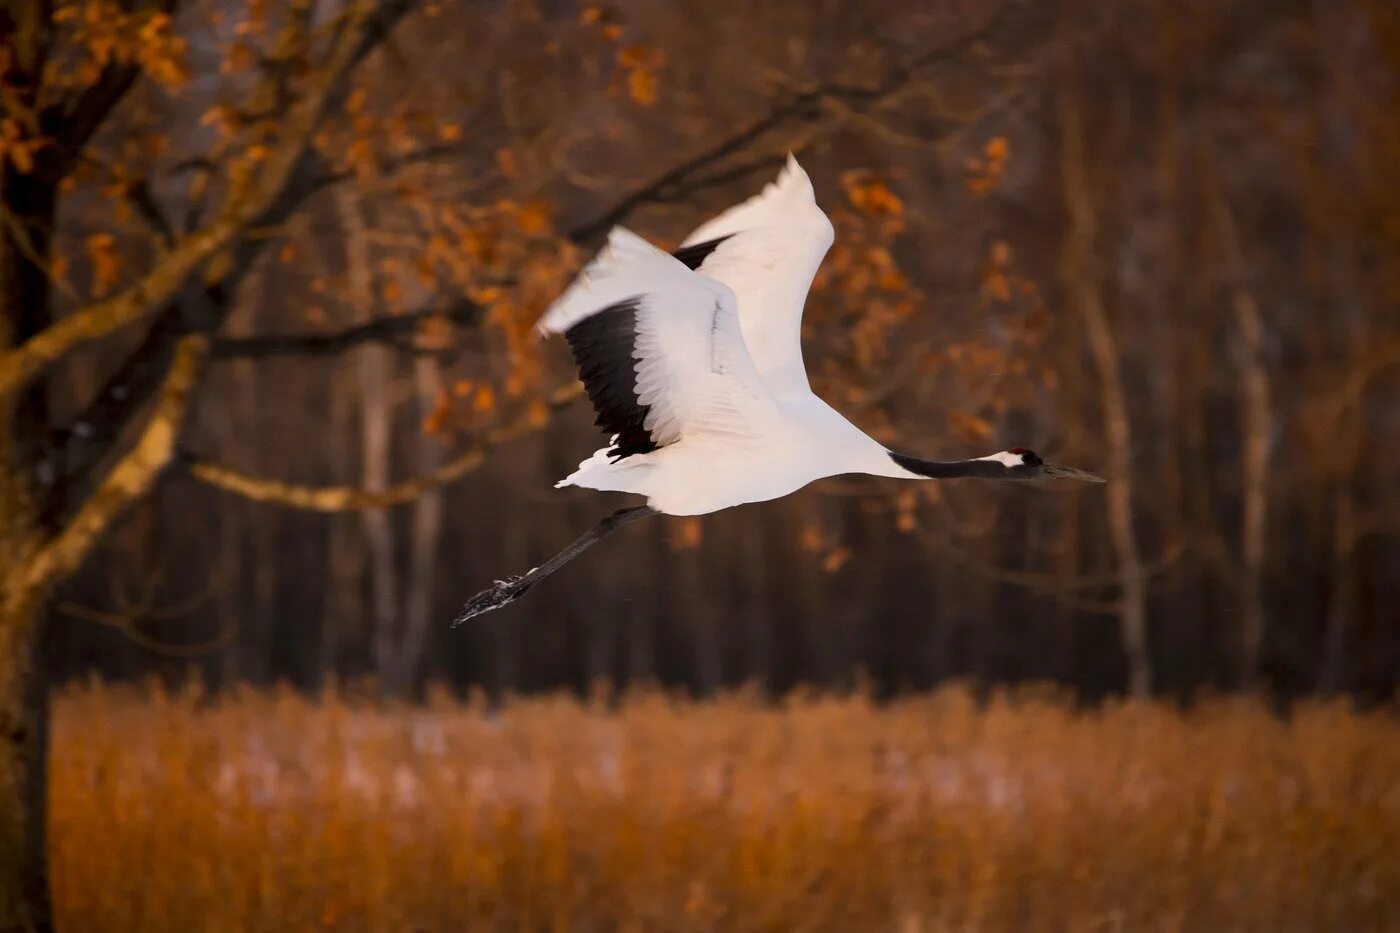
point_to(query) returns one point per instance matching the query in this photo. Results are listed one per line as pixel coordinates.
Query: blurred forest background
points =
(271, 407)
(1157, 239)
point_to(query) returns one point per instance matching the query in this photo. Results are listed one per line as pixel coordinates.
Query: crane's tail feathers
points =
(627, 267)
(604, 472)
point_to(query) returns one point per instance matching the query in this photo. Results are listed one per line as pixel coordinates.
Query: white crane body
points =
(810, 440)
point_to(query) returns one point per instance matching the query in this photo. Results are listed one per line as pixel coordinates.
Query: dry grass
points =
(263, 811)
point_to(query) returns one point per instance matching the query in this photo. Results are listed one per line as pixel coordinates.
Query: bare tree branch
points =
(127, 481)
(1080, 274)
(78, 115)
(368, 22)
(348, 498)
(138, 195)
(126, 623)
(389, 328)
(679, 181)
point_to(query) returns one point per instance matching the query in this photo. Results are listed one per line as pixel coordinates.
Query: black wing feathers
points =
(695, 254)
(603, 345)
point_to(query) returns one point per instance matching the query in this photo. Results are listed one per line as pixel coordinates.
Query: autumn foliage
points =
(269, 810)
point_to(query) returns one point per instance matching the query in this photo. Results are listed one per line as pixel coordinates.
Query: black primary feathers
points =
(603, 345)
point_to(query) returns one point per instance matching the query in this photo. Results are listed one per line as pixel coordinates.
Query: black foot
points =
(502, 592)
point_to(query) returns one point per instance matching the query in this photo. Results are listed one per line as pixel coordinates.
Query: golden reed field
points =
(274, 811)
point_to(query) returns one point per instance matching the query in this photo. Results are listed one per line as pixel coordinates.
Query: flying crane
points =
(693, 363)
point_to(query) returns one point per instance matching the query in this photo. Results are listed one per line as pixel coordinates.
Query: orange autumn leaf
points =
(391, 291)
(984, 172)
(436, 420)
(102, 253)
(533, 218)
(423, 268)
(435, 333)
(641, 86)
(688, 535)
(906, 506)
(505, 161)
(969, 426)
(836, 559)
(222, 118)
(632, 56)
(485, 399)
(537, 413)
(238, 57)
(871, 195)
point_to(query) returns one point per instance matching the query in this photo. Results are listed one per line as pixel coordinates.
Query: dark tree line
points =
(1144, 285)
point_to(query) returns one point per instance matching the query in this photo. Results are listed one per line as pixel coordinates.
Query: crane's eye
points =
(1028, 457)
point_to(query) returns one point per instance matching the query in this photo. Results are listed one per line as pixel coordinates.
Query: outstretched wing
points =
(659, 349)
(767, 250)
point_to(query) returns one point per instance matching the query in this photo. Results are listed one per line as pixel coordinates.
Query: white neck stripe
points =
(1006, 459)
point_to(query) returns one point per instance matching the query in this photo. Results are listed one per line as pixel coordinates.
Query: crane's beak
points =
(1064, 472)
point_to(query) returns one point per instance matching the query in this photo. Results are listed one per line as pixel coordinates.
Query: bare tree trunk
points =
(32, 562)
(1081, 282)
(757, 620)
(258, 663)
(1256, 426)
(345, 557)
(376, 429)
(343, 606)
(236, 517)
(1332, 678)
(1336, 47)
(698, 615)
(24, 731)
(376, 439)
(28, 202)
(426, 535)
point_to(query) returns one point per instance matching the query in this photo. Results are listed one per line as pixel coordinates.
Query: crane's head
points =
(1021, 463)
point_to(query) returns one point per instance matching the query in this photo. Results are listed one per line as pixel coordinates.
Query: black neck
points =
(951, 469)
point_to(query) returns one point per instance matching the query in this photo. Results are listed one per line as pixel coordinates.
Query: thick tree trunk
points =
(24, 888)
(28, 202)
(32, 562)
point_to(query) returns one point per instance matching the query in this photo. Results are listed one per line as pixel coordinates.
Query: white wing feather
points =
(776, 241)
(693, 370)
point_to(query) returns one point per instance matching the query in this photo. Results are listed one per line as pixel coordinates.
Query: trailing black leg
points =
(512, 588)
